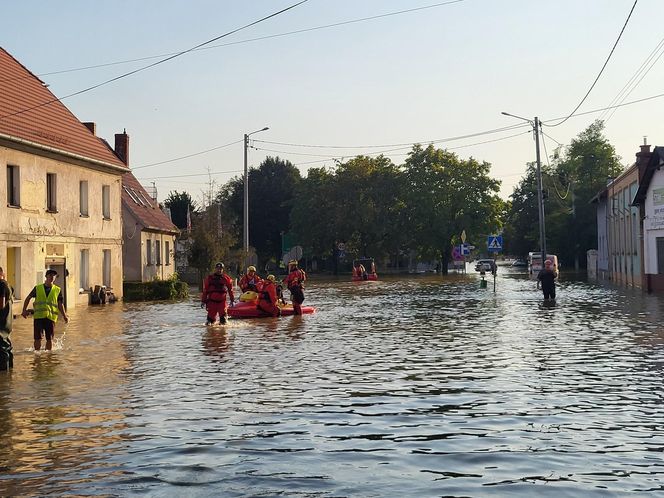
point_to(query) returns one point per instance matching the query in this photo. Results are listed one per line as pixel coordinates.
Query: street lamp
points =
(245, 238)
(536, 124)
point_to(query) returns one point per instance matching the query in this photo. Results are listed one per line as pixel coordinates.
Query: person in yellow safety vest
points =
(48, 302)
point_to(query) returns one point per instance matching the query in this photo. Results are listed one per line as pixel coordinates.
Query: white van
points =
(535, 262)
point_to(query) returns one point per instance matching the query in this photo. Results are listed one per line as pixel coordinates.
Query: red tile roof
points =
(143, 207)
(51, 125)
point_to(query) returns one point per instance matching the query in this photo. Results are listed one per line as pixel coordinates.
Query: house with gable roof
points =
(149, 234)
(62, 186)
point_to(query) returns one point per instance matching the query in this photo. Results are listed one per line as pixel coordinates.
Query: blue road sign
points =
(465, 249)
(494, 243)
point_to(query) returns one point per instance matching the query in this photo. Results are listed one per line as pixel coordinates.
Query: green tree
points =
(179, 204)
(447, 195)
(271, 189)
(521, 232)
(579, 174)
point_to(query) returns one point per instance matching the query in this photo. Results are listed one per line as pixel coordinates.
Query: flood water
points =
(411, 386)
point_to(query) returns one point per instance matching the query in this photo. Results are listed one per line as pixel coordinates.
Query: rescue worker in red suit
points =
(215, 289)
(250, 281)
(267, 300)
(295, 283)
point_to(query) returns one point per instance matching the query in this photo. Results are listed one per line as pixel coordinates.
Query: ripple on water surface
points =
(417, 386)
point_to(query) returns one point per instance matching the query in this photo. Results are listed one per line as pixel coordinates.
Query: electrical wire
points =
(93, 87)
(276, 35)
(187, 156)
(634, 76)
(637, 83)
(616, 106)
(555, 187)
(601, 70)
(409, 144)
(329, 158)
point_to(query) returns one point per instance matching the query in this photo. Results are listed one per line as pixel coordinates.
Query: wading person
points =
(267, 301)
(216, 287)
(546, 279)
(295, 283)
(48, 303)
(6, 300)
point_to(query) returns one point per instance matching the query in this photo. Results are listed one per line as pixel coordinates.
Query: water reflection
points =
(416, 386)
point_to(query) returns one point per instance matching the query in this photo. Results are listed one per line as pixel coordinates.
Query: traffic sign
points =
(465, 249)
(494, 243)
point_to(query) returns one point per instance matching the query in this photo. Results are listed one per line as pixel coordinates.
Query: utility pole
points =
(540, 194)
(245, 235)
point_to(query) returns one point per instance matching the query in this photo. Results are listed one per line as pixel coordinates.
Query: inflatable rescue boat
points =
(247, 308)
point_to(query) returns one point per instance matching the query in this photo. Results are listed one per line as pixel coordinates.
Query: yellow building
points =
(63, 188)
(148, 250)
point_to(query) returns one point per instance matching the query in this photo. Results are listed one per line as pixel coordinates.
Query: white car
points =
(485, 265)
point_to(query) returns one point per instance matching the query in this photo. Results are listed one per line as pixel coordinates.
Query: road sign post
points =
(494, 244)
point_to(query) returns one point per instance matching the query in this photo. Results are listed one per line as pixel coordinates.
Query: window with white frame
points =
(52, 192)
(148, 252)
(13, 186)
(83, 197)
(106, 201)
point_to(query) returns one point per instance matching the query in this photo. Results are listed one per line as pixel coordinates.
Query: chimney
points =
(92, 127)
(642, 159)
(122, 146)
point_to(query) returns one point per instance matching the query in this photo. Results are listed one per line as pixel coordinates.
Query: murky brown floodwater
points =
(419, 386)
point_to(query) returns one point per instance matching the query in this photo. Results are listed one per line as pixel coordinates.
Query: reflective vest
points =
(47, 307)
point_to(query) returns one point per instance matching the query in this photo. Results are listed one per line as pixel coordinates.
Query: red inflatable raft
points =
(249, 310)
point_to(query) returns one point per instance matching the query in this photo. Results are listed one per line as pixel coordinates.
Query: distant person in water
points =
(546, 280)
(216, 287)
(6, 300)
(295, 283)
(48, 305)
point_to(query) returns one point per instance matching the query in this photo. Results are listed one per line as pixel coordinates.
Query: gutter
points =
(64, 153)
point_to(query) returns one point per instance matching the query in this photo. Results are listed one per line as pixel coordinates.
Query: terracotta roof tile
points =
(51, 125)
(143, 207)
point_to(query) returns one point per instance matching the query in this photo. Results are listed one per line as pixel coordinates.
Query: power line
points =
(276, 35)
(187, 156)
(585, 113)
(601, 70)
(403, 144)
(93, 87)
(635, 75)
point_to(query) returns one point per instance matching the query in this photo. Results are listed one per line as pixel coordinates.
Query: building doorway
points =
(59, 265)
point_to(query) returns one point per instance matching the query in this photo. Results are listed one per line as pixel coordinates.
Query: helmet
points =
(251, 268)
(271, 278)
(219, 265)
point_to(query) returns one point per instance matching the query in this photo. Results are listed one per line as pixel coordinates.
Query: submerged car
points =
(485, 265)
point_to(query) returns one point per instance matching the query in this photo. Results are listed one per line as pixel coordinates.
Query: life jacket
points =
(296, 279)
(47, 306)
(269, 293)
(217, 286)
(250, 283)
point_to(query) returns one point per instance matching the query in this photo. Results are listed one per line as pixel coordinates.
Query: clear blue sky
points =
(415, 77)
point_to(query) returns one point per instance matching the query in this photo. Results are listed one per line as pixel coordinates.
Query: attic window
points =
(143, 198)
(131, 194)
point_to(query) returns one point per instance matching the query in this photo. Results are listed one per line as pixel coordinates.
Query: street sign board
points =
(494, 243)
(465, 249)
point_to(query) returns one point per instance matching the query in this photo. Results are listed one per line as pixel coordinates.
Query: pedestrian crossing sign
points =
(494, 243)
